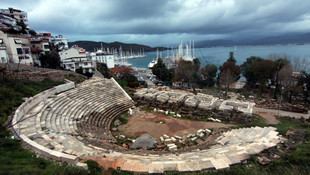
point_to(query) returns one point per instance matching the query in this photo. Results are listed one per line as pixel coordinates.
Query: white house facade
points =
(74, 58)
(103, 57)
(17, 48)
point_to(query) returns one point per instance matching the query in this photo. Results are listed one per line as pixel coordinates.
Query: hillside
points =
(271, 40)
(91, 45)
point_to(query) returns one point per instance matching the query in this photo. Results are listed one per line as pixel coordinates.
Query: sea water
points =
(218, 55)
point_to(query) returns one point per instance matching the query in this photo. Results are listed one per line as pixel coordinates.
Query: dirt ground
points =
(158, 124)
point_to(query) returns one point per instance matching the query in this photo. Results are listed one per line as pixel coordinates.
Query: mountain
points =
(296, 38)
(91, 45)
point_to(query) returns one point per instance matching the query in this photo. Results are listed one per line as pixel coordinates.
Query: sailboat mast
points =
(193, 49)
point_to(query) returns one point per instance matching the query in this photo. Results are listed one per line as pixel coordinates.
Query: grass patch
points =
(93, 167)
(75, 78)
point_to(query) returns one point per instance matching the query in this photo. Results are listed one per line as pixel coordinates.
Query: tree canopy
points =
(229, 74)
(50, 60)
(161, 71)
(263, 71)
(231, 57)
(279, 64)
(103, 69)
(184, 71)
(196, 64)
(247, 70)
(208, 74)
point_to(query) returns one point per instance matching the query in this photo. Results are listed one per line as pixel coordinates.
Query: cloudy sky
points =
(162, 22)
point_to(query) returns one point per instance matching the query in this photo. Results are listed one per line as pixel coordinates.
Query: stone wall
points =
(34, 73)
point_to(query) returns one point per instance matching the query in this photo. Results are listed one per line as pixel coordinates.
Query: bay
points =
(218, 55)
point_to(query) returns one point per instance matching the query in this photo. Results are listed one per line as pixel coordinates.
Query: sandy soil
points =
(149, 123)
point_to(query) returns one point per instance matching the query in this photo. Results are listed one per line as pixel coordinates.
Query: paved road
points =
(269, 114)
(150, 84)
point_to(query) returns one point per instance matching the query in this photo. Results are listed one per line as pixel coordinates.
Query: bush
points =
(93, 167)
(133, 84)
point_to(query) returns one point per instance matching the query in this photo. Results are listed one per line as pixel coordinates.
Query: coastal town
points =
(70, 110)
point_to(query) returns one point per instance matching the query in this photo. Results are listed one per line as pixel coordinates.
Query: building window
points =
(26, 50)
(19, 50)
(21, 58)
(85, 64)
(18, 41)
(46, 46)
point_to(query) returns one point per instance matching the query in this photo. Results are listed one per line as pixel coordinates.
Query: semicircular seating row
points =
(62, 122)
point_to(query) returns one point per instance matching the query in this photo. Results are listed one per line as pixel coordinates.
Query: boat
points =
(186, 54)
(153, 62)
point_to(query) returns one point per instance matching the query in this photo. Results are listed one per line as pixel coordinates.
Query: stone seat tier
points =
(52, 122)
(217, 157)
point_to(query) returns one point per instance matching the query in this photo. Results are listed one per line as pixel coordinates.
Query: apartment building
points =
(17, 48)
(3, 54)
(103, 57)
(10, 16)
(76, 57)
(61, 42)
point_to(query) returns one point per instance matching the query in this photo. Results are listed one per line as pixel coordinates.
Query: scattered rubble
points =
(273, 104)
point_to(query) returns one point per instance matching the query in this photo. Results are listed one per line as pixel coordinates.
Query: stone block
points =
(208, 131)
(190, 135)
(193, 139)
(167, 141)
(162, 140)
(172, 147)
(178, 137)
(82, 165)
(200, 134)
(68, 158)
(166, 136)
(217, 120)
(161, 111)
(200, 130)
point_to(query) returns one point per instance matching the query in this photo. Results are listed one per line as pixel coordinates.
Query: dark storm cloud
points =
(149, 20)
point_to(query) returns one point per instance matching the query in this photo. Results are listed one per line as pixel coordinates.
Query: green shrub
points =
(93, 167)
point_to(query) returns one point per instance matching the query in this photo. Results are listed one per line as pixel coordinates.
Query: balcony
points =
(36, 50)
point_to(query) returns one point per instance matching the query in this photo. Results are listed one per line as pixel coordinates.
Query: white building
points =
(103, 57)
(59, 40)
(38, 46)
(3, 54)
(10, 16)
(76, 57)
(17, 48)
